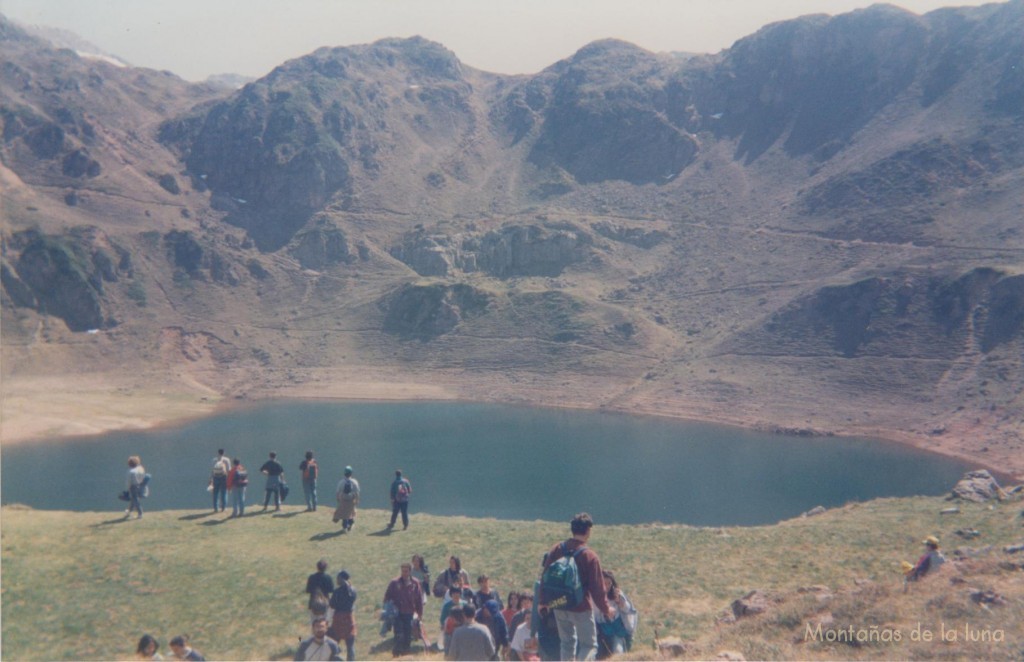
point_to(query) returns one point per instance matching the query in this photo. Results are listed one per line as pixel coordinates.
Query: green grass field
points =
(87, 585)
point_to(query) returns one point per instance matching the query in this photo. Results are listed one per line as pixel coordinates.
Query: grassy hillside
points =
(87, 585)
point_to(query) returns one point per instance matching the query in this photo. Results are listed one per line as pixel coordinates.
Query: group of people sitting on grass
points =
(473, 625)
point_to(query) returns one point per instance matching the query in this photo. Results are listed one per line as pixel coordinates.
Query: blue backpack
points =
(561, 584)
(144, 486)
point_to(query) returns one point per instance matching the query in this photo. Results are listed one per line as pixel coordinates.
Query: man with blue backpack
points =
(571, 585)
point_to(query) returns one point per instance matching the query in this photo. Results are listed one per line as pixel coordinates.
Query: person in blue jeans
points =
(309, 470)
(238, 480)
(273, 470)
(133, 485)
(219, 478)
(401, 489)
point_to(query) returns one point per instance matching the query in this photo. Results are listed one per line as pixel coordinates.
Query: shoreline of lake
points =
(115, 411)
(685, 471)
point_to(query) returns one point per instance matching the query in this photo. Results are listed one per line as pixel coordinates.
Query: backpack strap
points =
(576, 552)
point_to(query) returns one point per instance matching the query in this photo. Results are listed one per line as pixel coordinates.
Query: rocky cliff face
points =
(425, 311)
(285, 146)
(832, 204)
(602, 115)
(64, 275)
(905, 314)
(515, 250)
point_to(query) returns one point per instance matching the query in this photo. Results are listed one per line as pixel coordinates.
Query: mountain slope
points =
(832, 204)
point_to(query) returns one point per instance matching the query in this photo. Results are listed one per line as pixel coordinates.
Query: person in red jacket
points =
(576, 624)
(407, 595)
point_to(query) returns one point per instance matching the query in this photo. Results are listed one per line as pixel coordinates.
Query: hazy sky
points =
(196, 38)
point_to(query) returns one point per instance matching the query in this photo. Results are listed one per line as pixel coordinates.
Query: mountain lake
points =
(483, 460)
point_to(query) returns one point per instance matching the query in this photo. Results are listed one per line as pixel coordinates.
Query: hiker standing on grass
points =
(319, 646)
(522, 615)
(511, 609)
(489, 615)
(573, 593)
(543, 625)
(147, 648)
(274, 472)
(406, 594)
(310, 470)
(524, 646)
(421, 573)
(347, 495)
(238, 480)
(452, 574)
(615, 637)
(485, 593)
(471, 640)
(320, 586)
(133, 482)
(182, 651)
(343, 625)
(219, 480)
(451, 612)
(401, 489)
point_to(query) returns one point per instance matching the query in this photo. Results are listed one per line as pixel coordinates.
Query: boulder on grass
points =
(978, 486)
(751, 604)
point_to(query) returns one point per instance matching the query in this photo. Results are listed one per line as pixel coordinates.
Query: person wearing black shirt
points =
(319, 585)
(274, 472)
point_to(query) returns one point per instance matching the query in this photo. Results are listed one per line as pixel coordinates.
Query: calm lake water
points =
(488, 461)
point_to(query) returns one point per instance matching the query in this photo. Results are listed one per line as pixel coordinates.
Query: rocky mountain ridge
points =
(833, 204)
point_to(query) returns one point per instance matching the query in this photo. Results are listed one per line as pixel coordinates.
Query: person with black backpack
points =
(310, 470)
(571, 585)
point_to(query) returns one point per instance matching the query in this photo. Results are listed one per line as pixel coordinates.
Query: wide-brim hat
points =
(931, 540)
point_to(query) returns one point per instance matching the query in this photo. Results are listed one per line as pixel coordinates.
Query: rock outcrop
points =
(753, 603)
(64, 275)
(190, 257)
(897, 314)
(321, 246)
(424, 312)
(977, 486)
(603, 115)
(514, 250)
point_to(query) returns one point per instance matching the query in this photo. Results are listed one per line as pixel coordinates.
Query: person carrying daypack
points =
(401, 489)
(347, 495)
(238, 480)
(572, 585)
(219, 480)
